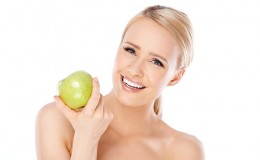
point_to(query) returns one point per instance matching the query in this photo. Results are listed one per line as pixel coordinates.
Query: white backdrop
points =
(218, 99)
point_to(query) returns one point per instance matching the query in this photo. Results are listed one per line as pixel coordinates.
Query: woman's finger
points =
(100, 107)
(94, 99)
(67, 112)
(107, 113)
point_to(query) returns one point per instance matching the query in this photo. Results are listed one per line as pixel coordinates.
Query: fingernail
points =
(96, 79)
(55, 99)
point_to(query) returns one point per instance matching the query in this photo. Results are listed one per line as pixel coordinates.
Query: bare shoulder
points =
(186, 147)
(180, 145)
(53, 133)
(49, 116)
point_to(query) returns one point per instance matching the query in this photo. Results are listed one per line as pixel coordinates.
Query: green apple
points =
(75, 90)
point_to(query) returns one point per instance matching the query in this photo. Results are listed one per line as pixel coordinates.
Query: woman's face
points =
(145, 63)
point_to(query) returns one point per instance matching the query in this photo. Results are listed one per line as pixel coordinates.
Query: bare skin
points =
(122, 124)
(161, 142)
(142, 135)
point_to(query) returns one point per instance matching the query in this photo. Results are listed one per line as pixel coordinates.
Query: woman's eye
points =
(157, 62)
(129, 50)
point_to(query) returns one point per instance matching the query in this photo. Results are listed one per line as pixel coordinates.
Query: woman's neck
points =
(130, 120)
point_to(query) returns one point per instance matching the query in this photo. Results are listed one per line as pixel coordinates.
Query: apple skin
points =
(75, 90)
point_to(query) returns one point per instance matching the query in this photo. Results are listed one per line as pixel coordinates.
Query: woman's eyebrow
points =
(151, 53)
(135, 45)
(157, 55)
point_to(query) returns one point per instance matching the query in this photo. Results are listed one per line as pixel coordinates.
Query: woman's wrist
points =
(84, 148)
(86, 138)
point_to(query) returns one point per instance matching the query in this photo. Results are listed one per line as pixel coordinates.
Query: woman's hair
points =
(179, 25)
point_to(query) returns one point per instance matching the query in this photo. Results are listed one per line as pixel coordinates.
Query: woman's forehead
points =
(151, 36)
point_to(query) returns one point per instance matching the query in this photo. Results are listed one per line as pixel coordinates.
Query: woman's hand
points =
(91, 121)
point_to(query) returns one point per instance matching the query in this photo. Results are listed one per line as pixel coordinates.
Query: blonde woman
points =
(155, 50)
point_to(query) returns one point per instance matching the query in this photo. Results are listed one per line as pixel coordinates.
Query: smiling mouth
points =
(130, 84)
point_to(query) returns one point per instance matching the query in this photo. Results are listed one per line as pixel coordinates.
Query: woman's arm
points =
(88, 126)
(84, 148)
(53, 134)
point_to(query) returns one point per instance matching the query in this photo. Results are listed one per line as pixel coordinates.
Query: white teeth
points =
(131, 84)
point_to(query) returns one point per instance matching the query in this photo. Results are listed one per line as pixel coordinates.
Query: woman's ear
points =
(177, 77)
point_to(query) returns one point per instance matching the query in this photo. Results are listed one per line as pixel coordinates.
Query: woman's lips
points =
(131, 86)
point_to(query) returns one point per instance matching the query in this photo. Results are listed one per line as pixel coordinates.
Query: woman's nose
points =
(136, 68)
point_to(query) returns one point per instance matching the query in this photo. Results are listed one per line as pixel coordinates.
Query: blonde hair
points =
(179, 25)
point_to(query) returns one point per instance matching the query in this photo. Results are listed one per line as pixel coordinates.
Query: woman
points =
(155, 50)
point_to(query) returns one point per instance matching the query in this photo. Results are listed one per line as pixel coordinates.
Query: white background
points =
(217, 100)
